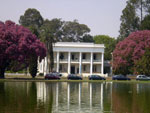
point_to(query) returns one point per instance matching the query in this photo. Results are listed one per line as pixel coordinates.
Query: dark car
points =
(51, 76)
(74, 77)
(57, 73)
(120, 77)
(96, 77)
(142, 77)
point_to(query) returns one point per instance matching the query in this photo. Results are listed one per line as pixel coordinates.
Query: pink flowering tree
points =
(129, 51)
(17, 46)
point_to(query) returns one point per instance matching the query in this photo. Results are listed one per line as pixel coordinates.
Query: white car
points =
(142, 77)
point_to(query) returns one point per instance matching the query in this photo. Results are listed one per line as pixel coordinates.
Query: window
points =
(60, 67)
(94, 56)
(84, 67)
(83, 56)
(72, 56)
(94, 68)
(61, 56)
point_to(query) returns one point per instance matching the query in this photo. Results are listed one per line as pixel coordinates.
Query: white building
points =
(76, 58)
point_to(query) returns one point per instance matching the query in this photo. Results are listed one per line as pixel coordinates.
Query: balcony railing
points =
(97, 60)
(74, 60)
(86, 60)
(64, 60)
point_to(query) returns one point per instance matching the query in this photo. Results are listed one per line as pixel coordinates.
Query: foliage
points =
(41, 74)
(18, 44)
(74, 32)
(139, 6)
(33, 66)
(32, 20)
(31, 17)
(66, 31)
(143, 65)
(145, 24)
(129, 51)
(47, 35)
(132, 17)
(53, 29)
(129, 21)
(87, 38)
(108, 42)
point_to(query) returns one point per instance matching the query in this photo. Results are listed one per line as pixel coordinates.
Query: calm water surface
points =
(63, 97)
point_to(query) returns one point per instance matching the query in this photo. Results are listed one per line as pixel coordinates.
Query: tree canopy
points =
(31, 17)
(18, 44)
(129, 21)
(108, 42)
(145, 24)
(74, 31)
(134, 15)
(129, 51)
(143, 65)
(32, 20)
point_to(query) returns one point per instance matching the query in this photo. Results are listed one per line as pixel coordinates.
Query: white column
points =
(79, 95)
(80, 63)
(102, 88)
(91, 64)
(46, 65)
(90, 95)
(43, 61)
(102, 66)
(57, 61)
(69, 62)
(68, 94)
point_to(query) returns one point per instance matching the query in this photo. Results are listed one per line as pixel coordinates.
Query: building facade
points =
(76, 58)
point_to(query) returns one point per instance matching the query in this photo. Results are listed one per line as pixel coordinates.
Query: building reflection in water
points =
(84, 97)
(68, 96)
(41, 92)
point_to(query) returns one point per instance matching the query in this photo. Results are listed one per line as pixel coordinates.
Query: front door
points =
(72, 69)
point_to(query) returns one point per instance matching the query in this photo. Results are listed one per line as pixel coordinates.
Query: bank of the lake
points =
(23, 78)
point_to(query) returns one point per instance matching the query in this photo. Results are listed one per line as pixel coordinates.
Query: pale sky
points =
(101, 16)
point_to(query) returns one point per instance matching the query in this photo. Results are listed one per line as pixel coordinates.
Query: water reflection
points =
(71, 97)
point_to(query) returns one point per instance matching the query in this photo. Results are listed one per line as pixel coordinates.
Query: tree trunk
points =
(2, 72)
(141, 10)
(33, 66)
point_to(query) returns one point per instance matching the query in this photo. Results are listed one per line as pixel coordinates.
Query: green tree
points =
(129, 21)
(143, 65)
(51, 32)
(109, 44)
(139, 6)
(31, 17)
(145, 24)
(87, 38)
(54, 27)
(48, 34)
(74, 32)
(33, 20)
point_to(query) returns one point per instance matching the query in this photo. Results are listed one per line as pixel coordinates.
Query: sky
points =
(101, 16)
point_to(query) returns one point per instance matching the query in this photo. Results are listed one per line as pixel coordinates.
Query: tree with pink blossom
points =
(129, 51)
(17, 46)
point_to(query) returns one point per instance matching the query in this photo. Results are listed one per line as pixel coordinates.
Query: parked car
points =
(96, 77)
(120, 77)
(51, 76)
(57, 73)
(142, 77)
(74, 77)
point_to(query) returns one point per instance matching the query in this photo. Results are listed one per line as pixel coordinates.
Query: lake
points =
(74, 97)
